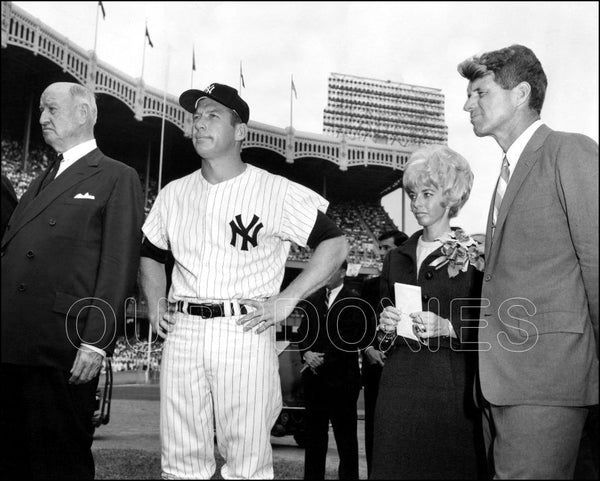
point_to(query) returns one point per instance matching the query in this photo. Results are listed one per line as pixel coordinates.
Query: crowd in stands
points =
(152, 192)
(12, 163)
(37, 161)
(362, 223)
(132, 355)
(376, 219)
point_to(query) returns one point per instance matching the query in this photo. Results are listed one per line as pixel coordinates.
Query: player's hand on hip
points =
(266, 313)
(86, 366)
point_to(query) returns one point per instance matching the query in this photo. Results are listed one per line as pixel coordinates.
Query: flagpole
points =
(162, 129)
(291, 101)
(193, 67)
(162, 141)
(96, 32)
(144, 51)
(240, 79)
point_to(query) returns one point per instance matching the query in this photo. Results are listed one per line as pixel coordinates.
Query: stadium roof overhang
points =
(364, 183)
(120, 135)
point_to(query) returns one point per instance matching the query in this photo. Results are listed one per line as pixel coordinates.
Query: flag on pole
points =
(193, 60)
(148, 37)
(294, 89)
(103, 12)
(242, 76)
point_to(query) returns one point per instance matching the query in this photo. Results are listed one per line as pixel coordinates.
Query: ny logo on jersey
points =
(238, 227)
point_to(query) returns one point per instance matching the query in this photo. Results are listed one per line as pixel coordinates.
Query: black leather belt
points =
(207, 311)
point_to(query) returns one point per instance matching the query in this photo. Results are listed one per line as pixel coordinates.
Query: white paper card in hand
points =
(408, 300)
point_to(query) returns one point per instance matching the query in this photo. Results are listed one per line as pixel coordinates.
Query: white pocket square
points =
(87, 195)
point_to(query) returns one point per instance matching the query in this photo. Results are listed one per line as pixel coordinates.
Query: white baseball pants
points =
(211, 367)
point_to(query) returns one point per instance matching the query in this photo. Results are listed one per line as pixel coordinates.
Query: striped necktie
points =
(500, 190)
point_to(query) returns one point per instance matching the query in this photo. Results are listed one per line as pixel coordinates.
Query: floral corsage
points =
(458, 251)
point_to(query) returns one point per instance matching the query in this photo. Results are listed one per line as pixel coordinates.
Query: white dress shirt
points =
(516, 149)
(333, 294)
(74, 154)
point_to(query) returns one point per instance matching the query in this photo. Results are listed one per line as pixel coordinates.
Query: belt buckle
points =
(205, 311)
(201, 310)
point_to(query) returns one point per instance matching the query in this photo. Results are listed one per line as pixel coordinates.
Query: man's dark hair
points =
(399, 237)
(510, 66)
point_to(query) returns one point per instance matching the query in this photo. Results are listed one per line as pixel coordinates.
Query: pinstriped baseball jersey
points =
(230, 240)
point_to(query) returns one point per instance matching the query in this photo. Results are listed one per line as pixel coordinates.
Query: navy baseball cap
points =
(224, 94)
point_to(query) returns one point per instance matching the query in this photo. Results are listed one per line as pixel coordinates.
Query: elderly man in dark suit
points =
(331, 330)
(69, 260)
(538, 359)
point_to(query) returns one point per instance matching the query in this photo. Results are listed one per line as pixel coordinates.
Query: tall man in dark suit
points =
(69, 260)
(538, 359)
(331, 331)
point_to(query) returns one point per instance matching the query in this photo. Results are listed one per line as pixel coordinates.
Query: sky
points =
(418, 43)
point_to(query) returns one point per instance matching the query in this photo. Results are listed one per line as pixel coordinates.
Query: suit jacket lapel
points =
(409, 249)
(527, 160)
(34, 205)
(27, 197)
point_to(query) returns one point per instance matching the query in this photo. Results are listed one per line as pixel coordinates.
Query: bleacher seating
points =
(12, 152)
(377, 220)
(132, 355)
(362, 223)
(152, 192)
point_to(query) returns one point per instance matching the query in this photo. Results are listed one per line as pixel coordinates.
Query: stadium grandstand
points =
(352, 174)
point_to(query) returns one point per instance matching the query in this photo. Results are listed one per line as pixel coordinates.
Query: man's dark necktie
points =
(51, 172)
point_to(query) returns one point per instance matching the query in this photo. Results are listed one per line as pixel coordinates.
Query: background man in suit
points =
(372, 358)
(538, 359)
(69, 259)
(333, 325)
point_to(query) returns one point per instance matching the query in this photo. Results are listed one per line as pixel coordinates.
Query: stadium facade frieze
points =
(21, 29)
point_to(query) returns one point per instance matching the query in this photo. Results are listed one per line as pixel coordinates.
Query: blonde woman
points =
(425, 420)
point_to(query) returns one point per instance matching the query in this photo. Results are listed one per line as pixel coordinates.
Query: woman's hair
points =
(443, 168)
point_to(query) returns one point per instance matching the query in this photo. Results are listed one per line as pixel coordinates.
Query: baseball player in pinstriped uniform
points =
(229, 226)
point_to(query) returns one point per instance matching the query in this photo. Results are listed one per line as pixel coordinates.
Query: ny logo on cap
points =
(210, 88)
